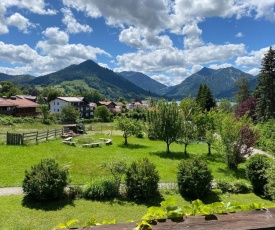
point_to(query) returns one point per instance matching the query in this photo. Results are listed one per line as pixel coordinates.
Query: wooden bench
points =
(69, 143)
(91, 145)
(108, 142)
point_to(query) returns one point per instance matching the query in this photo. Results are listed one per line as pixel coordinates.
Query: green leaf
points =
(70, 222)
(61, 226)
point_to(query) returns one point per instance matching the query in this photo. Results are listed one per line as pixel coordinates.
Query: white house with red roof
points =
(85, 108)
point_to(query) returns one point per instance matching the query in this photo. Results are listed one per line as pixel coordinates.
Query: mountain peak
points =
(206, 71)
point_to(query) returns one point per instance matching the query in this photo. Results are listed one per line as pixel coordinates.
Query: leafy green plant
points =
(101, 189)
(141, 179)
(233, 187)
(194, 178)
(256, 171)
(45, 181)
(67, 225)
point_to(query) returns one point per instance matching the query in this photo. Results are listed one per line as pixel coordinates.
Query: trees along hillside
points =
(265, 89)
(163, 121)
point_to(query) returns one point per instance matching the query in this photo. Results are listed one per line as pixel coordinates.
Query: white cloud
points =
(164, 79)
(152, 14)
(224, 65)
(192, 38)
(254, 71)
(144, 39)
(55, 37)
(254, 58)
(35, 6)
(164, 59)
(20, 22)
(239, 35)
(73, 27)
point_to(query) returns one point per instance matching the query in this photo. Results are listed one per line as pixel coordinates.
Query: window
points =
(57, 103)
(54, 103)
(57, 110)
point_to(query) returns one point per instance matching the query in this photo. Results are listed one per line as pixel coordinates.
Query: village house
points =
(85, 108)
(18, 107)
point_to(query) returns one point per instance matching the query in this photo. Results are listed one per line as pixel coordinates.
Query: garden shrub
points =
(141, 180)
(269, 189)
(194, 178)
(256, 171)
(45, 181)
(234, 187)
(101, 189)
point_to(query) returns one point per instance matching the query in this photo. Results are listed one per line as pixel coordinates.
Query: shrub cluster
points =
(194, 178)
(101, 189)
(141, 180)
(45, 181)
(256, 172)
(234, 187)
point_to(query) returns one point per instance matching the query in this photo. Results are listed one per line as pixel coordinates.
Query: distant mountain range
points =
(220, 81)
(144, 82)
(131, 85)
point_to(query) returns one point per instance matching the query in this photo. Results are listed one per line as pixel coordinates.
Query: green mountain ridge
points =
(130, 85)
(220, 81)
(143, 81)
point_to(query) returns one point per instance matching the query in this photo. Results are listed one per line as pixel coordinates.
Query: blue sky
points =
(165, 39)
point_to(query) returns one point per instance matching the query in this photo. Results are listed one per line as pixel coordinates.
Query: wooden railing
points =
(21, 139)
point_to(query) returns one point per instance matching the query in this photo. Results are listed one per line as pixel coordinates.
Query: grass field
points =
(85, 163)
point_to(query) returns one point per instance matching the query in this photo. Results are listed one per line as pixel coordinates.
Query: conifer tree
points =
(243, 89)
(205, 98)
(265, 90)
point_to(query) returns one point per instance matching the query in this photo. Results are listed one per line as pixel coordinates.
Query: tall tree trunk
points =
(209, 149)
(125, 141)
(167, 147)
(185, 147)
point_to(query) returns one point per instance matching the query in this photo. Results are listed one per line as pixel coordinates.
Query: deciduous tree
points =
(163, 121)
(129, 127)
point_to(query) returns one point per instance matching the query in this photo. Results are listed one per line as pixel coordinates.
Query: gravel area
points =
(11, 191)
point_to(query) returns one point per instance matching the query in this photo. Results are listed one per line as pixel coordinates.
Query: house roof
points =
(71, 99)
(29, 97)
(6, 103)
(106, 102)
(22, 103)
(92, 104)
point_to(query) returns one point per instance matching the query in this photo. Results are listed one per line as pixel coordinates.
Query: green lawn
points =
(16, 213)
(85, 163)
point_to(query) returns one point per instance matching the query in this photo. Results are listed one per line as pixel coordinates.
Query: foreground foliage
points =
(194, 178)
(141, 180)
(45, 181)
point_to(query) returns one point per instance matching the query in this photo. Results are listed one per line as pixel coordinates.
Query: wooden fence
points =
(21, 139)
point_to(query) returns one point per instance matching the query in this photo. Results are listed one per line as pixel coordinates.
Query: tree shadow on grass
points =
(213, 158)
(123, 201)
(239, 173)
(47, 205)
(209, 198)
(171, 155)
(133, 146)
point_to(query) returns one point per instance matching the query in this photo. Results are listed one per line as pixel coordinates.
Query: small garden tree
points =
(142, 179)
(69, 114)
(163, 122)
(187, 127)
(103, 113)
(235, 139)
(129, 127)
(256, 169)
(194, 178)
(45, 181)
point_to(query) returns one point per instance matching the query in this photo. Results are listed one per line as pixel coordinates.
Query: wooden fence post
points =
(36, 137)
